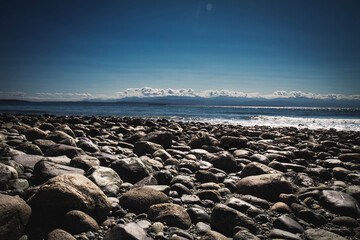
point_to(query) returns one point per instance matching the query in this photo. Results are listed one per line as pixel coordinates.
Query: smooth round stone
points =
(202, 227)
(280, 207)
(345, 221)
(157, 227)
(18, 184)
(144, 224)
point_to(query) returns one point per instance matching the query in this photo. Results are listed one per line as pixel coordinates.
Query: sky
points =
(83, 49)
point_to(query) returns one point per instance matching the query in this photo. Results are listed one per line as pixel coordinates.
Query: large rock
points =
(129, 231)
(225, 161)
(76, 222)
(106, 179)
(84, 162)
(172, 214)
(200, 139)
(212, 235)
(224, 219)
(44, 170)
(58, 136)
(146, 147)
(266, 186)
(256, 168)
(14, 216)
(162, 138)
(6, 174)
(27, 160)
(320, 234)
(132, 169)
(139, 200)
(227, 142)
(62, 149)
(68, 192)
(88, 146)
(350, 157)
(35, 133)
(340, 203)
(59, 234)
(286, 223)
(30, 148)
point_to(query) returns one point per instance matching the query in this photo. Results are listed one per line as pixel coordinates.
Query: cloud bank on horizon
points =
(149, 92)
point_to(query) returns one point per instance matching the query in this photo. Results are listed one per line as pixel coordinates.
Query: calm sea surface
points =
(338, 118)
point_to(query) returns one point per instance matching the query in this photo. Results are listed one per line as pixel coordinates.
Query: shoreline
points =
(122, 175)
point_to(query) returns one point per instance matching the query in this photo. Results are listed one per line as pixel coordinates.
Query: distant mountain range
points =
(215, 101)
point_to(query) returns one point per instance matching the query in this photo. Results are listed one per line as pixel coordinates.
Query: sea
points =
(347, 119)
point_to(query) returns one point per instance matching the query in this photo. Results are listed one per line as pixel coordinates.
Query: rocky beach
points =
(70, 177)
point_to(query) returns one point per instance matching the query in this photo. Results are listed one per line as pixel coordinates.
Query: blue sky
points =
(82, 49)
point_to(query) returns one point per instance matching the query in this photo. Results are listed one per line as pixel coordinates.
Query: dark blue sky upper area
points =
(107, 46)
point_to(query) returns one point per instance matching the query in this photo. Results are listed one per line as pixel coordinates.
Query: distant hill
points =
(214, 101)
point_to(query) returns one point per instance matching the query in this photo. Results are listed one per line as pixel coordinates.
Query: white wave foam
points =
(282, 121)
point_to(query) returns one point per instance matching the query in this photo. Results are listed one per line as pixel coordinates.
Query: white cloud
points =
(158, 92)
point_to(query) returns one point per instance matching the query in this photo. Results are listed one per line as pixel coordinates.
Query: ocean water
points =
(303, 117)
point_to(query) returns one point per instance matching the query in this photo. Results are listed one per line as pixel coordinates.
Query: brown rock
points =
(173, 214)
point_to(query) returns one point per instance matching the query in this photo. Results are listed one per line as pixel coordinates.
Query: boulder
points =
(212, 235)
(225, 161)
(30, 148)
(68, 192)
(59, 234)
(132, 169)
(172, 214)
(224, 219)
(61, 149)
(256, 168)
(286, 223)
(44, 170)
(14, 216)
(162, 138)
(266, 186)
(340, 203)
(227, 142)
(129, 231)
(76, 222)
(139, 200)
(84, 162)
(35, 133)
(146, 147)
(106, 179)
(320, 234)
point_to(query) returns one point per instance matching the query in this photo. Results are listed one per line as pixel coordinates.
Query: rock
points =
(204, 176)
(259, 158)
(212, 195)
(224, 219)
(180, 189)
(132, 169)
(47, 126)
(35, 133)
(267, 186)
(139, 200)
(157, 227)
(200, 139)
(129, 231)
(340, 203)
(354, 191)
(244, 207)
(227, 142)
(255, 201)
(6, 174)
(106, 179)
(286, 223)
(68, 192)
(144, 147)
(245, 235)
(14, 216)
(350, 157)
(225, 161)
(176, 233)
(61, 149)
(44, 144)
(198, 215)
(76, 222)
(18, 184)
(58, 234)
(44, 170)
(320, 234)
(29, 148)
(280, 207)
(88, 146)
(172, 214)
(161, 153)
(27, 160)
(84, 162)
(255, 168)
(162, 138)
(281, 234)
(58, 136)
(212, 235)
(185, 180)
(346, 222)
